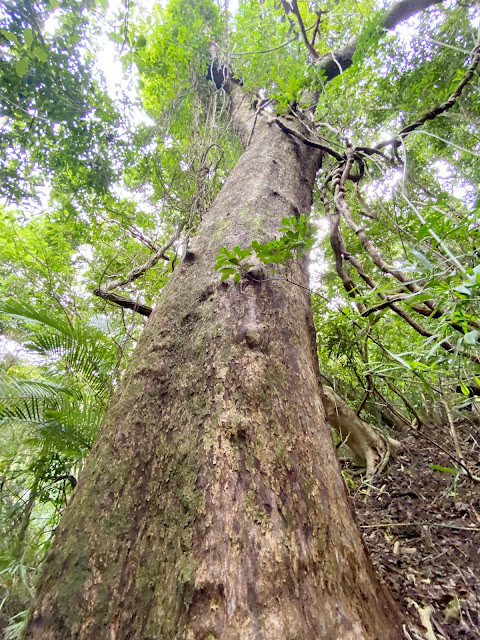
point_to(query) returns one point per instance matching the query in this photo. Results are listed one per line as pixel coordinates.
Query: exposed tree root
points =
(370, 448)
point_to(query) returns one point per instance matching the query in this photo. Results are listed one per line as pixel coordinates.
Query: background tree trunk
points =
(212, 505)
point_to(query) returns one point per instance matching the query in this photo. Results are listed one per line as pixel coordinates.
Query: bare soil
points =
(421, 525)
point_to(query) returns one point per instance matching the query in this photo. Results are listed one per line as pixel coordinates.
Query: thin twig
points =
(382, 525)
(456, 443)
(451, 456)
(151, 262)
(262, 51)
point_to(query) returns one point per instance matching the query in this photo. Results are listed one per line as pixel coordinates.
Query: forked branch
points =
(310, 47)
(333, 64)
(106, 293)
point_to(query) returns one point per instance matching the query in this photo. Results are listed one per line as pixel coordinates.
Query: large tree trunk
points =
(212, 505)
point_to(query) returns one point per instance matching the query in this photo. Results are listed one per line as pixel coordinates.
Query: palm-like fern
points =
(53, 417)
(82, 351)
(51, 412)
(67, 411)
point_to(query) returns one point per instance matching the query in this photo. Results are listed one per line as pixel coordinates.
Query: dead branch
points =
(456, 443)
(338, 248)
(125, 303)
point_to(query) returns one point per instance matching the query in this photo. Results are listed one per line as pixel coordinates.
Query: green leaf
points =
(115, 37)
(438, 467)
(21, 66)
(423, 232)
(237, 277)
(471, 337)
(422, 258)
(27, 311)
(139, 62)
(40, 53)
(28, 37)
(464, 389)
(463, 289)
(11, 37)
(398, 359)
(68, 206)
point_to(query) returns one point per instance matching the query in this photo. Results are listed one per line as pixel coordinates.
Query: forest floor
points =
(421, 524)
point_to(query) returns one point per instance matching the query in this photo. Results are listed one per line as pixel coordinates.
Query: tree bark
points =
(212, 505)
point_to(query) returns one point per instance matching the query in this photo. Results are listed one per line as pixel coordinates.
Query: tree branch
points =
(260, 51)
(338, 248)
(333, 64)
(367, 244)
(310, 47)
(341, 208)
(304, 139)
(142, 269)
(133, 231)
(125, 303)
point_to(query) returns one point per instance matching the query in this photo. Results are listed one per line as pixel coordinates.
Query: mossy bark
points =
(212, 505)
